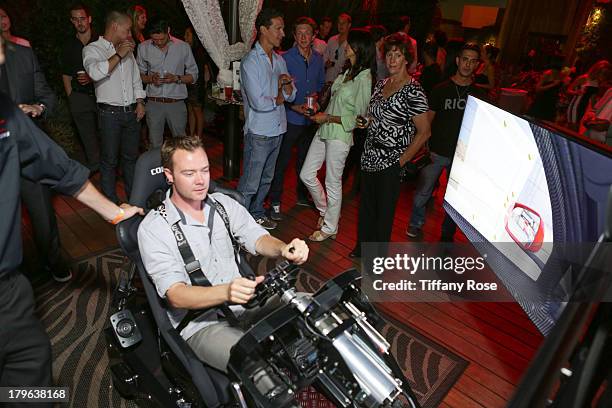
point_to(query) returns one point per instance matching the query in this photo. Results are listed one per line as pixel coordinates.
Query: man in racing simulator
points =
(269, 338)
(199, 217)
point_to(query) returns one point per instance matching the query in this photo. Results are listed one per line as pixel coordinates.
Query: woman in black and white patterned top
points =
(398, 126)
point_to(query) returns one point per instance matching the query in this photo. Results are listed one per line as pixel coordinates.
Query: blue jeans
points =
(260, 154)
(427, 181)
(119, 138)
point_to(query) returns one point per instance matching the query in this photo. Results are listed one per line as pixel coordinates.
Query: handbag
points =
(420, 160)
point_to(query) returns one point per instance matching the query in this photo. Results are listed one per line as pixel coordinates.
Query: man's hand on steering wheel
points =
(241, 290)
(296, 251)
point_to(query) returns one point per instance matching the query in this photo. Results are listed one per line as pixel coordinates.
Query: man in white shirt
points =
(334, 54)
(111, 65)
(166, 65)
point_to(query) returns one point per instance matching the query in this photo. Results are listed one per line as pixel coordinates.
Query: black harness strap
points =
(244, 269)
(192, 265)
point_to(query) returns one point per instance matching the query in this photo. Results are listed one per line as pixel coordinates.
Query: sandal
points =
(319, 236)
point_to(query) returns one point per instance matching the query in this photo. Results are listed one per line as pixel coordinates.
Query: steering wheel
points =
(281, 278)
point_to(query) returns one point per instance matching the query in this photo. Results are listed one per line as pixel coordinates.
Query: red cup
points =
(228, 92)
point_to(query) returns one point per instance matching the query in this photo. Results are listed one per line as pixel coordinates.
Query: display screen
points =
(527, 190)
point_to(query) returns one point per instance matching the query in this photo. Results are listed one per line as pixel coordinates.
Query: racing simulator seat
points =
(328, 339)
(159, 368)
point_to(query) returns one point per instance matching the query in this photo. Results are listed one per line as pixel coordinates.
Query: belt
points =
(113, 108)
(162, 100)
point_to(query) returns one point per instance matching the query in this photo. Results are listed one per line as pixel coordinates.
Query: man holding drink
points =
(306, 66)
(266, 86)
(111, 65)
(79, 87)
(166, 66)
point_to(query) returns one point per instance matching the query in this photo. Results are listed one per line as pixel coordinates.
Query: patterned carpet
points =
(76, 313)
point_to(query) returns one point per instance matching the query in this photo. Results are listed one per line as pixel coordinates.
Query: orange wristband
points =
(118, 217)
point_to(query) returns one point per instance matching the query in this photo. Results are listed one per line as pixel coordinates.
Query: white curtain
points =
(205, 15)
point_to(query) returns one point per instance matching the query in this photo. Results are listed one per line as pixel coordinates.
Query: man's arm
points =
(238, 291)
(42, 91)
(255, 89)
(289, 90)
(44, 98)
(98, 66)
(44, 161)
(91, 197)
(67, 80)
(252, 237)
(295, 251)
(139, 92)
(165, 267)
(191, 68)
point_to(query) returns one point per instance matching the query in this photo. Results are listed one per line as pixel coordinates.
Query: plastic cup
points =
(228, 90)
(310, 102)
(362, 121)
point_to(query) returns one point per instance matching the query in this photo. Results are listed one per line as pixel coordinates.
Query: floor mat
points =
(75, 314)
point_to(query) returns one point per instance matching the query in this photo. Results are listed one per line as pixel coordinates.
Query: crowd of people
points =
(377, 99)
(359, 98)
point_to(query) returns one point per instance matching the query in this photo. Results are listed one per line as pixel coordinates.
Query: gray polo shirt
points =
(177, 59)
(163, 261)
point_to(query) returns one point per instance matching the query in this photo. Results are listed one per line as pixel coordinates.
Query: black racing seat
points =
(149, 186)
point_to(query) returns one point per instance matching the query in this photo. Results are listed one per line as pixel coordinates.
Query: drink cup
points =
(310, 102)
(362, 121)
(228, 92)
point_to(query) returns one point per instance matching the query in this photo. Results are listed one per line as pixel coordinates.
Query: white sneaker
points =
(266, 223)
(275, 213)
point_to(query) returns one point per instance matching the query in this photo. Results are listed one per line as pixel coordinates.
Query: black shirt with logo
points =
(448, 102)
(72, 62)
(26, 151)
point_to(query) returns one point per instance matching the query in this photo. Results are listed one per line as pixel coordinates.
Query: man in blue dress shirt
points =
(265, 86)
(306, 66)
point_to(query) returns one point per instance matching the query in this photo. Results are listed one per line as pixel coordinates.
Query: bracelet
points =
(118, 217)
(120, 57)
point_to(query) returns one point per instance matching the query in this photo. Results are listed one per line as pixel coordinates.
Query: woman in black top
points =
(397, 129)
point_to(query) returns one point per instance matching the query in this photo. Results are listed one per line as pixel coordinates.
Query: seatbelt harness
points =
(192, 265)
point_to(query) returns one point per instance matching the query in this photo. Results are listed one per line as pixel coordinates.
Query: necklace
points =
(394, 87)
(461, 95)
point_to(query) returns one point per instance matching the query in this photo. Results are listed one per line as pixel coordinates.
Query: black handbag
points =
(420, 160)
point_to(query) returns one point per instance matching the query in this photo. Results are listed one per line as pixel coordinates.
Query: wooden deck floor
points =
(497, 339)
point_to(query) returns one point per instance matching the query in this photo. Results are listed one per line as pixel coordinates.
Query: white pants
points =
(334, 153)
